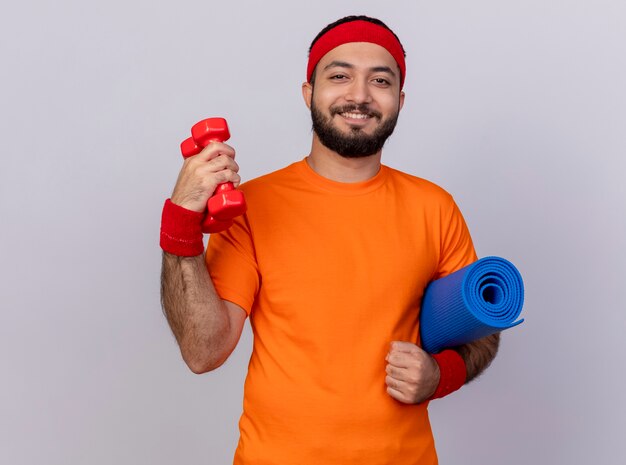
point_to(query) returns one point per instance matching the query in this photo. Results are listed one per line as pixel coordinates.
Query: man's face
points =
(356, 99)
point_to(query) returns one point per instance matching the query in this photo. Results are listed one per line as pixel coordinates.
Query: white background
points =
(517, 108)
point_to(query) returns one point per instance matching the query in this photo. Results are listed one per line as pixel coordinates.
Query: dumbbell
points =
(226, 202)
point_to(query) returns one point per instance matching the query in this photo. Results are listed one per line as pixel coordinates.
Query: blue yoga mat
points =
(473, 302)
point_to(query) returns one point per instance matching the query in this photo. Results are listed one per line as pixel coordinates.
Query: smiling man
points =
(330, 264)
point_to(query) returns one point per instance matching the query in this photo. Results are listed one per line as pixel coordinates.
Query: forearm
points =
(479, 354)
(194, 311)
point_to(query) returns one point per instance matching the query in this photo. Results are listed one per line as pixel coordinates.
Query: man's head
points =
(355, 29)
(354, 85)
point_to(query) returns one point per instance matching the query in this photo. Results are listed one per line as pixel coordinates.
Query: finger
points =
(204, 174)
(236, 180)
(397, 395)
(207, 175)
(400, 374)
(408, 347)
(226, 176)
(221, 162)
(408, 391)
(400, 390)
(396, 384)
(401, 359)
(215, 149)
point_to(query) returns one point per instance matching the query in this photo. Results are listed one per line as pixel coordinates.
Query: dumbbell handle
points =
(226, 202)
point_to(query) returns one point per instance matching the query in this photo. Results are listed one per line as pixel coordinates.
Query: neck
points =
(333, 166)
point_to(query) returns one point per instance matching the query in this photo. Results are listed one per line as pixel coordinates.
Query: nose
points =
(359, 92)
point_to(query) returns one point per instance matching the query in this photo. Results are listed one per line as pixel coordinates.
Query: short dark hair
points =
(348, 19)
(351, 18)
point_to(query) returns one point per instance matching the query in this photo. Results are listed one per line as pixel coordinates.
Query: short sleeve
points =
(231, 261)
(457, 248)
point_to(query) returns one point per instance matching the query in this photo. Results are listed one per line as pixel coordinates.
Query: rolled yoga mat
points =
(481, 299)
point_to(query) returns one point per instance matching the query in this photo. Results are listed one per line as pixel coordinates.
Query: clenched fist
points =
(412, 374)
(202, 173)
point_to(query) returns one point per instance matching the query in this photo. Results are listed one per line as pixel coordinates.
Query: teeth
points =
(355, 115)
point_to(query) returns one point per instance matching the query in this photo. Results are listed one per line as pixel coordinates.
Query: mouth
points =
(355, 115)
(355, 111)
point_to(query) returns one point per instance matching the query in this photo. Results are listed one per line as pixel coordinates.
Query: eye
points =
(338, 77)
(382, 81)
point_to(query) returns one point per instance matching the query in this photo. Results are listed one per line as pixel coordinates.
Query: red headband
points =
(357, 31)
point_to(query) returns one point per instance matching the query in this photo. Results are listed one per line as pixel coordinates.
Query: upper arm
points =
(237, 318)
(232, 264)
(457, 248)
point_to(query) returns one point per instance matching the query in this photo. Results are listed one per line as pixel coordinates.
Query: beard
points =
(355, 144)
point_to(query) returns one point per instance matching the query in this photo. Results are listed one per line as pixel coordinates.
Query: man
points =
(330, 263)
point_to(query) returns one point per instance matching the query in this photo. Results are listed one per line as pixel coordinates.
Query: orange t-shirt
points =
(330, 273)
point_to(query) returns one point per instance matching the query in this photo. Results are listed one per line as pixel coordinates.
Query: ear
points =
(401, 100)
(307, 93)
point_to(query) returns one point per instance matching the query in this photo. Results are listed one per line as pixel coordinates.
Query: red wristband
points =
(181, 230)
(452, 373)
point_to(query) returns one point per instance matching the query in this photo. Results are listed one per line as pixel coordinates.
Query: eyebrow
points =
(374, 69)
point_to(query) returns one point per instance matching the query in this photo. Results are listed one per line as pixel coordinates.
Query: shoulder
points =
(275, 178)
(414, 185)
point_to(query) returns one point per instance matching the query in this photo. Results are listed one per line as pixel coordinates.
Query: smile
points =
(355, 115)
